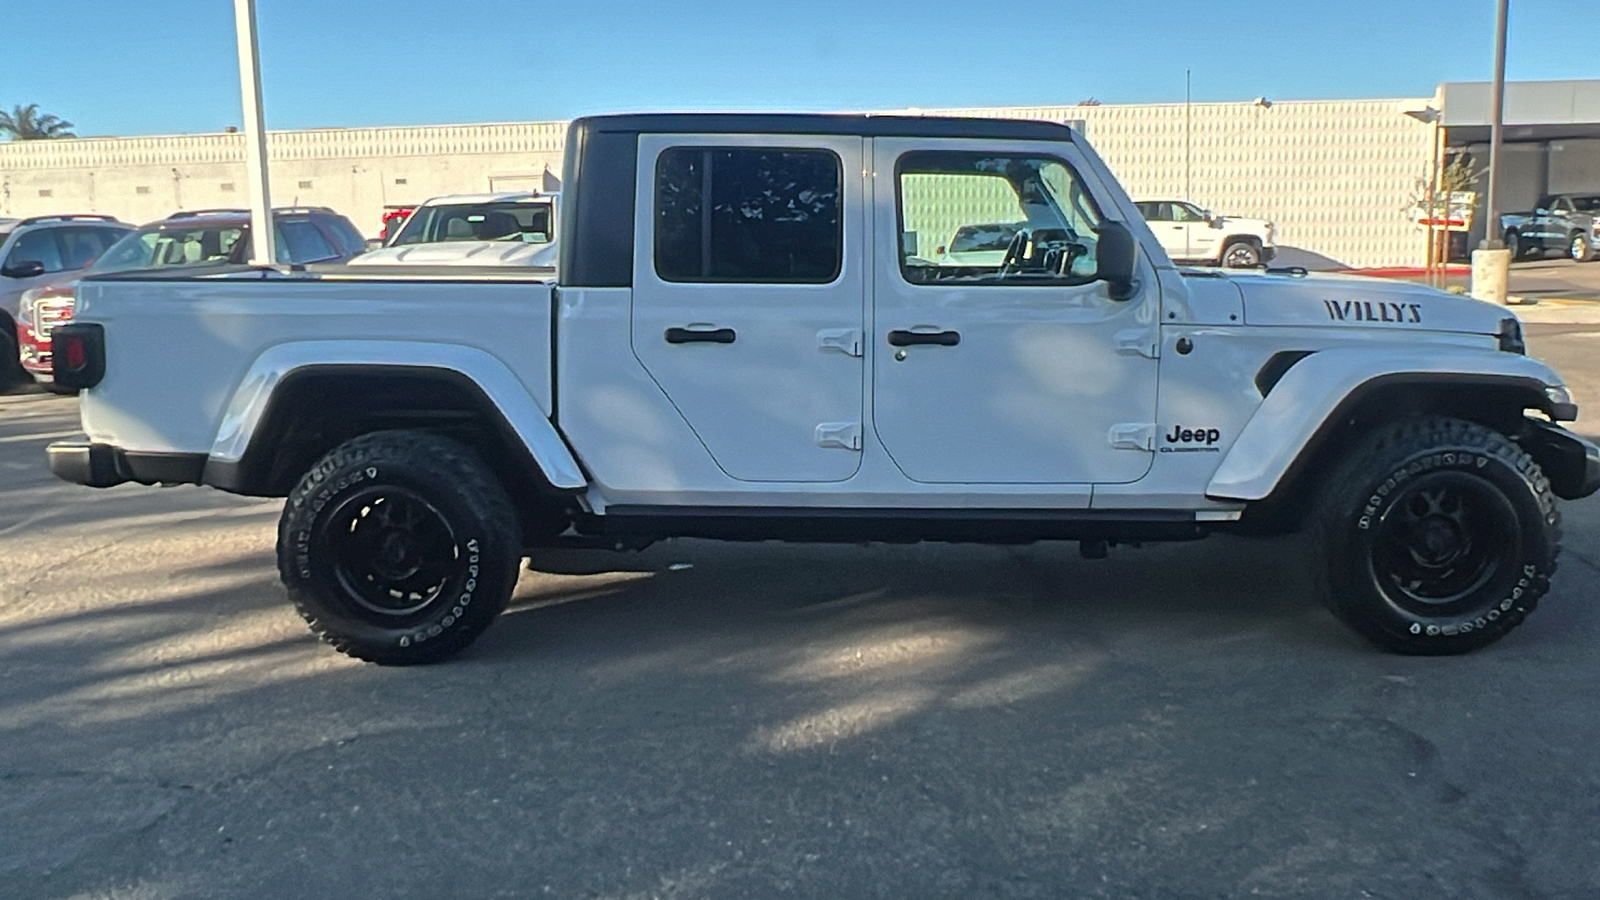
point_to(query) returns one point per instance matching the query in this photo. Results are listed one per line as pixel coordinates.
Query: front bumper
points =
(1268, 253)
(1571, 463)
(104, 465)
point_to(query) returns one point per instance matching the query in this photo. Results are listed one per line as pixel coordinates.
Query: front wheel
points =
(1579, 247)
(1241, 255)
(399, 547)
(1435, 536)
(11, 371)
(1514, 246)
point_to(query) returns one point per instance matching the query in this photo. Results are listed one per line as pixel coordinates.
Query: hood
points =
(1352, 301)
(463, 253)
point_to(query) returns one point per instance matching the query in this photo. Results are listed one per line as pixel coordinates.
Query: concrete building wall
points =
(356, 171)
(1336, 176)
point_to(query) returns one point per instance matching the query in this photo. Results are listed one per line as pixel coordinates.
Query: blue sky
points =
(167, 66)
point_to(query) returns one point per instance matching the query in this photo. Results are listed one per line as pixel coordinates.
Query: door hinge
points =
(1141, 341)
(1134, 436)
(845, 340)
(843, 435)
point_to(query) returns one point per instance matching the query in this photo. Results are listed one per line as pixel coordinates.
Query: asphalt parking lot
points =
(703, 720)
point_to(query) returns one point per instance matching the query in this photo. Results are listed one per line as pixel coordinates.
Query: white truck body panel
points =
(209, 336)
(1309, 393)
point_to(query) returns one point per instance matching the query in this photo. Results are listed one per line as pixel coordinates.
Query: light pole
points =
(262, 240)
(1497, 106)
(1491, 262)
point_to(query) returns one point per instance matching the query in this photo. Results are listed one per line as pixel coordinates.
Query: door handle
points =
(908, 338)
(700, 335)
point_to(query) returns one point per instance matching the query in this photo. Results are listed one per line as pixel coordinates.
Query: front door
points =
(1200, 237)
(748, 306)
(1020, 371)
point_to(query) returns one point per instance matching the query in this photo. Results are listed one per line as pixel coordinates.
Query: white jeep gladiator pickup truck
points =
(744, 343)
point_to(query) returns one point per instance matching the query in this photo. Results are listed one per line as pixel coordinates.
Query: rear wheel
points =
(1241, 255)
(399, 547)
(1514, 244)
(1435, 536)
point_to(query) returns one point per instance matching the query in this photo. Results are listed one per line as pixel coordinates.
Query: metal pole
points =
(262, 240)
(1497, 104)
(1187, 95)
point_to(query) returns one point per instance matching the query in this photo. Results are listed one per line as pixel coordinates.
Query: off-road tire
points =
(1579, 248)
(413, 581)
(1240, 254)
(1385, 526)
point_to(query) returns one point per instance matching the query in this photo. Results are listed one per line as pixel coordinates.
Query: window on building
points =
(977, 218)
(142, 189)
(227, 187)
(748, 214)
(305, 184)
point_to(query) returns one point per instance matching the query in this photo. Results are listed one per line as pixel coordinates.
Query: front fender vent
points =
(1276, 366)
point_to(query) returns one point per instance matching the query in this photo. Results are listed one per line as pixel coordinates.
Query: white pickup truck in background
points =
(1194, 235)
(744, 342)
(475, 230)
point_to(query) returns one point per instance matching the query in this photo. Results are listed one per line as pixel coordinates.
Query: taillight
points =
(79, 355)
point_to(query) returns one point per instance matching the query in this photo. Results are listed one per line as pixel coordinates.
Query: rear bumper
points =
(1571, 463)
(103, 465)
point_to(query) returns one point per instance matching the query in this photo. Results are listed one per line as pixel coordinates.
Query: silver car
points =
(39, 251)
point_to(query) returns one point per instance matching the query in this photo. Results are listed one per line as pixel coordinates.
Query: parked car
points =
(740, 346)
(394, 216)
(1194, 235)
(506, 229)
(38, 251)
(188, 239)
(1568, 224)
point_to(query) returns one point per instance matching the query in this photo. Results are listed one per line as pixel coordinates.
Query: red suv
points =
(189, 239)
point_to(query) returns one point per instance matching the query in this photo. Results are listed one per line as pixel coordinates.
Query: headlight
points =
(1558, 394)
(25, 307)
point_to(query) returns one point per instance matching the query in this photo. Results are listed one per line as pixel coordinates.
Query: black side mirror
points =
(28, 268)
(1116, 254)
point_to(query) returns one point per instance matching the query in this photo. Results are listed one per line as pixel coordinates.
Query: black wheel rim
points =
(392, 553)
(1444, 545)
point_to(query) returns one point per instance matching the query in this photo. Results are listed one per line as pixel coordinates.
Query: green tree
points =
(25, 123)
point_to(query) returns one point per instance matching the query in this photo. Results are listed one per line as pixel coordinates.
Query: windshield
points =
(529, 223)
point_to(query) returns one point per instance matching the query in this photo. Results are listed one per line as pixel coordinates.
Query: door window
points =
(748, 215)
(1184, 212)
(978, 218)
(81, 246)
(38, 246)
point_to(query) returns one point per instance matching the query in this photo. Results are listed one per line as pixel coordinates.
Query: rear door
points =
(748, 296)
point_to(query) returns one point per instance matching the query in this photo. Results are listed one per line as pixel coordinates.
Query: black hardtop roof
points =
(863, 124)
